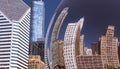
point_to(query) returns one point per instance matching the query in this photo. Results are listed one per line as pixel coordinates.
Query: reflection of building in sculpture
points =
(108, 45)
(94, 47)
(82, 45)
(90, 62)
(89, 51)
(47, 61)
(14, 34)
(35, 62)
(58, 57)
(49, 58)
(85, 49)
(71, 44)
(54, 39)
(119, 52)
(60, 50)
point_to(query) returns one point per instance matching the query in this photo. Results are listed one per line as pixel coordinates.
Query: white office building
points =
(71, 44)
(14, 34)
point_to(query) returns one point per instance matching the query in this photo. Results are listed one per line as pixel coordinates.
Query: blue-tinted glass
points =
(37, 20)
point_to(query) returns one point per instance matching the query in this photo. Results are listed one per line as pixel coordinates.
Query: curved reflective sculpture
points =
(95, 15)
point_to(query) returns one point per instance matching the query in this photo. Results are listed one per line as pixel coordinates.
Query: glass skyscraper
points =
(37, 20)
(37, 29)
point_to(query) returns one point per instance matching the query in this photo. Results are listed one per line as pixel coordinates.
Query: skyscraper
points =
(71, 44)
(37, 29)
(14, 34)
(37, 19)
(108, 45)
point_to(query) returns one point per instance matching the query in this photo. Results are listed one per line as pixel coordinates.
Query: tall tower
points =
(14, 34)
(37, 29)
(109, 47)
(71, 44)
(37, 19)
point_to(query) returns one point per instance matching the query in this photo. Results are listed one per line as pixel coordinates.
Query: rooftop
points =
(13, 9)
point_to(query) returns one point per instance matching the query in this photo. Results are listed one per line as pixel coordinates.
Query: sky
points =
(50, 7)
(98, 15)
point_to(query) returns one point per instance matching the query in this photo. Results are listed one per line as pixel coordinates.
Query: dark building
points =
(94, 47)
(37, 48)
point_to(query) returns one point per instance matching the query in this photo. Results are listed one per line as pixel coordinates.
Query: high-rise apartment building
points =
(90, 62)
(108, 47)
(37, 29)
(35, 62)
(14, 34)
(71, 44)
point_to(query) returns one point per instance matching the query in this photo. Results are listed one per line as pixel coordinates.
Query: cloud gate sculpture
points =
(71, 20)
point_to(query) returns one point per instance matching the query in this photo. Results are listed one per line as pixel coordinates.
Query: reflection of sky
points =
(98, 15)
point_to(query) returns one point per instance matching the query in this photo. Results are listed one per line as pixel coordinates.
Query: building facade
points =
(35, 62)
(37, 20)
(90, 62)
(71, 44)
(108, 47)
(14, 34)
(119, 52)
